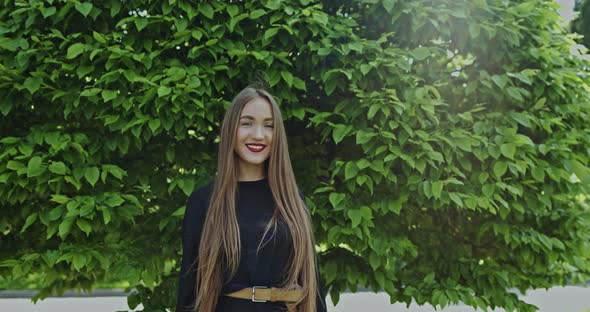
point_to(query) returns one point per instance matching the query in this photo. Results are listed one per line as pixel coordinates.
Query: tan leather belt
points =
(264, 294)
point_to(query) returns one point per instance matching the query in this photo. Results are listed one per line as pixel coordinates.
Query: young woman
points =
(247, 238)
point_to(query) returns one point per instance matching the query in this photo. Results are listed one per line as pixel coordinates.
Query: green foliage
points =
(581, 24)
(443, 146)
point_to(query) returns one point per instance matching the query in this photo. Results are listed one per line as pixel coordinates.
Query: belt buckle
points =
(254, 293)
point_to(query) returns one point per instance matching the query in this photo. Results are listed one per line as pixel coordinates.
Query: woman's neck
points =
(251, 173)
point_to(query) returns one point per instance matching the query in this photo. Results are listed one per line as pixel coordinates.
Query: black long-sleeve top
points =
(255, 207)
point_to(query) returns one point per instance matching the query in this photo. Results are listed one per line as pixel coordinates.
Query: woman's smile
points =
(255, 148)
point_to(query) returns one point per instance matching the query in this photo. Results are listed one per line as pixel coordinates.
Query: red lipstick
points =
(255, 147)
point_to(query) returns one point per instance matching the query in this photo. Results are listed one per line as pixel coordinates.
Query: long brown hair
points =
(219, 250)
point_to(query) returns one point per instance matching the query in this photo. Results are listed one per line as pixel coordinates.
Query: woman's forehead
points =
(257, 108)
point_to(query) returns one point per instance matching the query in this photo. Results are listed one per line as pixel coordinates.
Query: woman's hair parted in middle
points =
(219, 249)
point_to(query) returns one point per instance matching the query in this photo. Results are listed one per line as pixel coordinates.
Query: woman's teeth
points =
(255, 148)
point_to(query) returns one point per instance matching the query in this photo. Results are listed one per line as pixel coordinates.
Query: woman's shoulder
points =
(198, 201)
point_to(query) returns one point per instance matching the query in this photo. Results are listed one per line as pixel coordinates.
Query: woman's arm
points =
(192, 225)
(321, 300)
(321, 297)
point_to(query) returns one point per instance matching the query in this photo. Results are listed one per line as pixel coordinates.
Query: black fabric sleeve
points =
(321, 300)
(192, 226)
(321, 297)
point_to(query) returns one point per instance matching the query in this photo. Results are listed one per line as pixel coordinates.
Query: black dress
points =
(254, 209)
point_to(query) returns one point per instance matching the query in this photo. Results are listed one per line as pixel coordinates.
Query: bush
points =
(443, 147)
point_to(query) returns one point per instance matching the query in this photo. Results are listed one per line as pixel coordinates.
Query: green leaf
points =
(299, 112)
(420, 53)
(180, 24)
(47, 12)
(508, 150)
(86, 210)
(515, 93)
(187, 186)
(273, 4)
(324, 51)
(106, 216)
(206, 9)
(372, 111)
(388, 5)
(356, 216)
(396, 205)
(99, 37)
(30, 219)
(522, 118)
(78, 261)
(33, 83)
(232, 10)
(350, 170)
(374, 260)
(91, 174)
(35, 167)
(154, 124)
(366, 212)
(437, 189)
(72, 206)
(211, 42)
(340, 131)
(500, 168)
(538, 173)
(269, 33)
(83, 70)
(320, 17)
(58, 167)
(488, 190)
(257, 13)
(299, 84)
(500, 81)
(84, 8)
(456, 199)
(365, 68)
(9, 140)
(363, 163)
(105, 263)
(163, 91)
(108, 95)
(114, 201)
(26, 149)
(179, 212)
(380, 278)
(335, 199)
(84, 226)
(363, 136)
(90, 92)
(60, 199)
(288, 77)
(141, 23)
(65, 227)
(115, 8)
(115, 171)
(55, 213)
(75, 50)
(540, 103)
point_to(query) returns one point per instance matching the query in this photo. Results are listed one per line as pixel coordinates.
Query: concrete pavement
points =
(556, 299)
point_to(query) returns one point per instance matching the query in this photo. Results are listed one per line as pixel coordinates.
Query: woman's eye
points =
(270, 126)
(246, 124)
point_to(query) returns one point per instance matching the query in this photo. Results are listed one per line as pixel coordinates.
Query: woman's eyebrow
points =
(250, 117)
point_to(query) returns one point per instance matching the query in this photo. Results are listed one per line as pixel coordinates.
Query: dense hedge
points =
(443, 146)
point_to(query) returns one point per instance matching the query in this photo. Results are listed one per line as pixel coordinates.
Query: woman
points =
(249, 231)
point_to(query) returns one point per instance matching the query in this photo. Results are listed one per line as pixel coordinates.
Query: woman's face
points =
(255, 132)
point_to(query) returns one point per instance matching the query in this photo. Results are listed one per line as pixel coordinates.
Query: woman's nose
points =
(258, 132)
